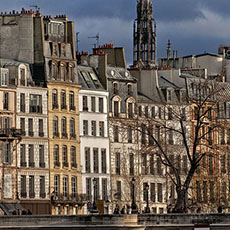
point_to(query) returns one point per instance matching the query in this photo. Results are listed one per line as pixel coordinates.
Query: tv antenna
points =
(97, 39)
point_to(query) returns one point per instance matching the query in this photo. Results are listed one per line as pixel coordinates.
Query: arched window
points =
(64, 156)
(63, 127)
(63, 99)
(62, 71)
(56, 155)
(55, 127)
(72, 128)
(71, 101)
(54, 71)
(55, 99)
(71, 73)
(73, 157)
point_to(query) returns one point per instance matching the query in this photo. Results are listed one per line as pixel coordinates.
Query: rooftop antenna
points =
(97, 39)
(77, 40)
(35, 7)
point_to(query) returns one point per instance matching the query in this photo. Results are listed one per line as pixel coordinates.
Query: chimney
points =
(169, 50)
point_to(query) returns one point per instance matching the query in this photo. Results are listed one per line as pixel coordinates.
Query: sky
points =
(193, 26)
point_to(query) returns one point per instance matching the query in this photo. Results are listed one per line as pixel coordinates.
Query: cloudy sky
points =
(193, 26)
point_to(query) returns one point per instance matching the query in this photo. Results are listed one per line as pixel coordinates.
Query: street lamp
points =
(147, 209)
(133, 206)
(94, 209)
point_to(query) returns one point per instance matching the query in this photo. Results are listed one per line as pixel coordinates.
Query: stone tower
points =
(144, 35)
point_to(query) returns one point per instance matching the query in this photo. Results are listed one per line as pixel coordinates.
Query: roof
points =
(165, 83)
(9, 208)
(119, 73)
(88, 78)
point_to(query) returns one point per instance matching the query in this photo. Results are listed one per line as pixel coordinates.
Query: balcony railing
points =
(23, 164)
(56, 134)
(24, 194)
(63, 106)
(35, 109)
(74, 165)
(42, 195)
(79, 199)
(65, 164)
(31, 133)
(41, 134)
(42, 164)
(73, 135)
(32, 194)
(55, 106)
(64, 135)
(57, 163)
(10, 133)
(32, 164)
(72, 107)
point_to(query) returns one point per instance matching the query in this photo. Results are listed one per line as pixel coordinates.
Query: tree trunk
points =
(180, 205)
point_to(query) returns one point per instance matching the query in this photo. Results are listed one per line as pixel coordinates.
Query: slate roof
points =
(117, 73)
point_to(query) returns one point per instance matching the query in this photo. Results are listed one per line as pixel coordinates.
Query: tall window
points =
(85, 127)
(104, 189)
(64, 156)
(63, 127)
(73, 157)
(146, 111)
(84, 103)
(93, 104)
(40, 128)
(71, 101)
(22, 126)
(55, 127)
(23, 186)
(93, 128)
(31, 187)
(54, 71)
(115, 134)
(101, 105)
(152, 192)
(22, 102)
(130, 90)
(130, 134)
(130, 110)
(88, 189)
(95, 160)
(56, 155)
(170, 114)
(63, 99)
(23, 155)
(72, 128)
(62, 71)
(55, 99)
(116, 108)
(74, 186)
(115, 88)
(65, 186)
(35, 103)
(42, 163)
(97, 189)
(42, 187)
(56, 185)
(101, 129)
(87, 160)
(103, 161)
(31, 129)
(143, 134)
(159, 192)
(118, 163)
(6, 152)
(118, 190)
(131, 164)
(5, 100)
(71, 75)
(31, 156)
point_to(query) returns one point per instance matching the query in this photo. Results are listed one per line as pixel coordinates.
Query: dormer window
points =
(4, 77)
(130, 90)
(22, 76)
(169, 95)
(115, 88)
(54, 72)
(71, 73)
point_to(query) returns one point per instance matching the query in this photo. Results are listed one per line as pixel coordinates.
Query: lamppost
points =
(147, 209)
(94, 209)
(133, 206)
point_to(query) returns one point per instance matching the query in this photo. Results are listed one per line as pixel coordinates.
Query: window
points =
(116, 108)
(153, 112)
(4, 77)
(63, 127)
(117, 163)
(211, 191)
(31, 132)
(146, 111)
(31, 187)
(88, 189)
(144, 164)
(159, 167)
(115, 134)
(104, 189)
(97, 189)
(115, 88)
(153, 192)
(87, 160)
(143, 134)
(223, 191)
(35, 103)
(93, 128)
(22, 76)
(170, 136)
(85, 127)
(71, 73)
(6, 100)
(222, 136)
(63, 100)
(71, 101)
(65, 186)
(22, 126)
(56, 155)
(55, 127)
(40, 127)
(42, 187)
(101, 105)
(42, 163)
(31, 156)
(151, 164)
(223, 163)
(56, 185)
(6, 153)
(93, 105)
(62, 71)
(130, 110)
(55, 99)
(101, 128)
(145, 192)
(23, 187)
(72, 128)
(140, 111)
(159, 192)
(183, 114)
(73, 157)
(130, 90)
(84, 103)
(131, 164)
(118, 190)
(23, 155)
(95, 160)
(22, 102)
(103, 161)
(64, 156)
(185, 164)
(130, 134)
(169, 113)
(74, 186)
(198, 191)
(159, 113)
(205, 191)
(6, 125)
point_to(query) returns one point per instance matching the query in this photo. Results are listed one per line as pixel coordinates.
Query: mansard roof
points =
(120, 74)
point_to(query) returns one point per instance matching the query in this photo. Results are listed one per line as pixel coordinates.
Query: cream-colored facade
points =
(64, 148)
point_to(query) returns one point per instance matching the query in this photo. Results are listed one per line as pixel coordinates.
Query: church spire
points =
(144, 35)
